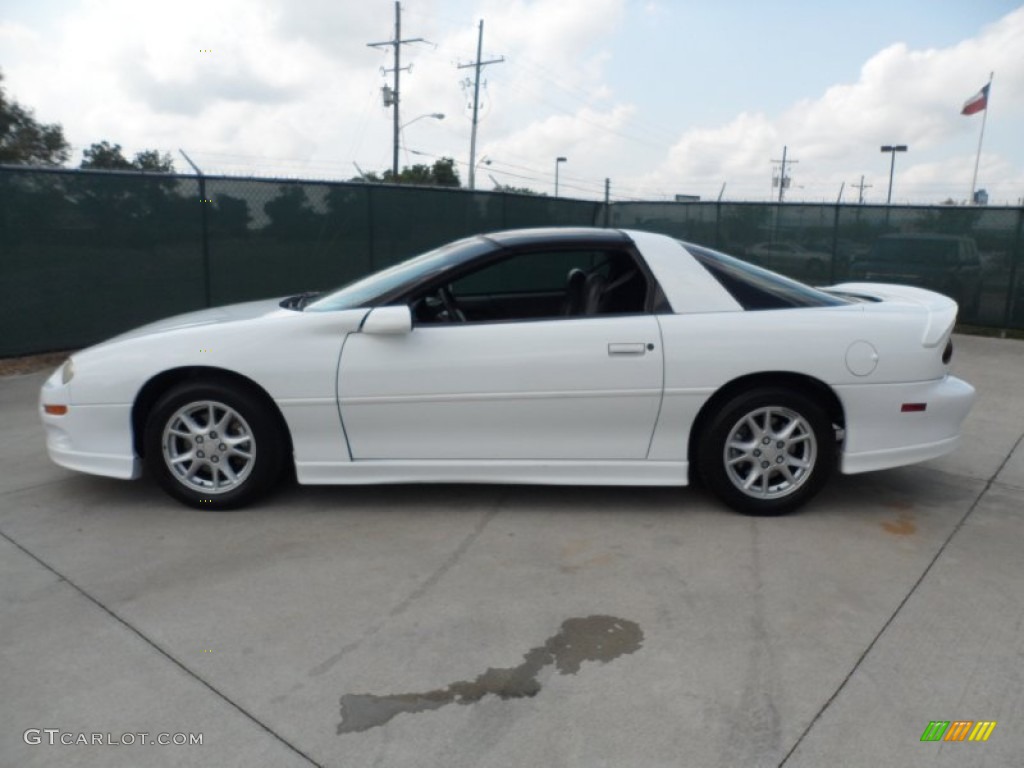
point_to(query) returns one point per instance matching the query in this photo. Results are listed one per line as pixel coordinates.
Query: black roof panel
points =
(514, 238)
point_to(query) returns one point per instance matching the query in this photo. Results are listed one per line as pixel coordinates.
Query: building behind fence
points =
(88, 254)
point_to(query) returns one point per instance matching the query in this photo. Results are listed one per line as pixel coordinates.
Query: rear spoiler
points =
(941, 309)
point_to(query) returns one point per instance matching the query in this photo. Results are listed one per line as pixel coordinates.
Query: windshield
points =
(366, 290)
(914, 251)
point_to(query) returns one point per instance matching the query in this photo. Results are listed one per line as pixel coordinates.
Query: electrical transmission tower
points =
(476, 99)
(391, 95)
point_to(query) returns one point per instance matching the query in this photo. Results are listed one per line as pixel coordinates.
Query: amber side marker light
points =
(55, 410)
(913, 407)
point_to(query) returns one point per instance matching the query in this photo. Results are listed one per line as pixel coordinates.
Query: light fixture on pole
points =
(485, 160)
(401, 130)
(558, 160)
(892, 149)
(434, 115)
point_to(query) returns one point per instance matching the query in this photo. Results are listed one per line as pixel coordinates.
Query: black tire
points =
(731, 448)
(250, 446)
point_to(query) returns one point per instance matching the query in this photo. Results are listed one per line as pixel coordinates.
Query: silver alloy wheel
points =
(770, 452)
(208, 447)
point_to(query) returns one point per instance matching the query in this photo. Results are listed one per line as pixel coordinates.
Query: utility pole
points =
(607, 200)
(783, 179)
(476, 99)
(861, 187)
(392, 98)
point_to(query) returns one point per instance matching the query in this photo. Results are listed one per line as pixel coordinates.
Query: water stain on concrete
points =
(592, 638)
(903, 505)
(903, 527)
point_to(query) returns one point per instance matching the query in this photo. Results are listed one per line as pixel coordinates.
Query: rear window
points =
(756, 288)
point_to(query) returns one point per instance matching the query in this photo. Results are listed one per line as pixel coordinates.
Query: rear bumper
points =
(880, 436)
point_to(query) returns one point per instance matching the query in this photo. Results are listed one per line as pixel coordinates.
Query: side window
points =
(543, 284)
(535, 272)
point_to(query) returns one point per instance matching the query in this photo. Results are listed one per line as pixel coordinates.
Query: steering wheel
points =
(450, 307)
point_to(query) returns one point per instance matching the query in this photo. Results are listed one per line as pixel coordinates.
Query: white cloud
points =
(289, 81)
(902, 96)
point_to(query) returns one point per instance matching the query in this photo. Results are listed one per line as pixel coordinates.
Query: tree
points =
(445, 173)
(442, 173)
(23, 141)
(103, 155)
(518, 190)
(151, 160)
(108, 156)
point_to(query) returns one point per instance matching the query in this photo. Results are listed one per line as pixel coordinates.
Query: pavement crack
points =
(416, 594)
(956, 529)
(163, 652)
(43, 484)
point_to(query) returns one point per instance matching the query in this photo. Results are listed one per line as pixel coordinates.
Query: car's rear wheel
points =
(213, 446)
(768, 451)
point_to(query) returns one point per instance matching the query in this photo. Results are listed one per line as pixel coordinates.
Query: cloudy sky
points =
(663, 97)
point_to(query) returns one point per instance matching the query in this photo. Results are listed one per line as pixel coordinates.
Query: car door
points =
(558, 388)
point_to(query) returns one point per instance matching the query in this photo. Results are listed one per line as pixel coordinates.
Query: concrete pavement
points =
(638, 627)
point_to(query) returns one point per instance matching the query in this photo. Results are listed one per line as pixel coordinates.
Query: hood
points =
(214, 316)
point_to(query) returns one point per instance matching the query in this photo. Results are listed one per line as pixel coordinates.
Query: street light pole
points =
(558, 160)
(435, 115)
(892, 149)
(401, 130)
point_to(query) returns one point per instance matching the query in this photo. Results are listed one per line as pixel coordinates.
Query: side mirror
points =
(388, 320)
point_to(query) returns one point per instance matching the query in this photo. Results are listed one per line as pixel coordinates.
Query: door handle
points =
(627, 349)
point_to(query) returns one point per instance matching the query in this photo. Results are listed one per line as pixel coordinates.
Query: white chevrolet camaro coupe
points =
(557, 355)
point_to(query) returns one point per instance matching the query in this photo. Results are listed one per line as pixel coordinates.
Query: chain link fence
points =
(88, 254)
(85, 255)
(973, 254)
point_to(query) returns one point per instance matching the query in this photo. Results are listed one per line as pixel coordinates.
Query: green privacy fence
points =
(85, 255)
(974, 254)
(88, 254)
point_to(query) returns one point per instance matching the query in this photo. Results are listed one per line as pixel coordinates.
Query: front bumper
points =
(880, 436)
(96, 439)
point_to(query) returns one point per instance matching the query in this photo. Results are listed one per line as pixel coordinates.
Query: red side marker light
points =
(55, 410)
(913, 407)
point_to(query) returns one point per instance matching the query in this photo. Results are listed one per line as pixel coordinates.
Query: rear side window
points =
(756, 288)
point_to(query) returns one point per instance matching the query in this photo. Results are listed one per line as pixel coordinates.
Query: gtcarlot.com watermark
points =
(54, 736)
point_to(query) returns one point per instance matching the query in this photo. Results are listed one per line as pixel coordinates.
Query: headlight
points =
(67, 371)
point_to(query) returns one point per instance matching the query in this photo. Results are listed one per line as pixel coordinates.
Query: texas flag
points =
(977, 102)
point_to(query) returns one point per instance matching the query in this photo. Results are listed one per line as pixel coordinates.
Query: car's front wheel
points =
(213, 446)
(768, 451)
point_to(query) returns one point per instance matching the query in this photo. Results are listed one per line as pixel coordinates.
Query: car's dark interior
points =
(539, 285)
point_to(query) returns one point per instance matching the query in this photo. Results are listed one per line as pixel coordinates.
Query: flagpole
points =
(981, 138)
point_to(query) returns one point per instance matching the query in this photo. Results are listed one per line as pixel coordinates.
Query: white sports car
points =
(559, 355)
